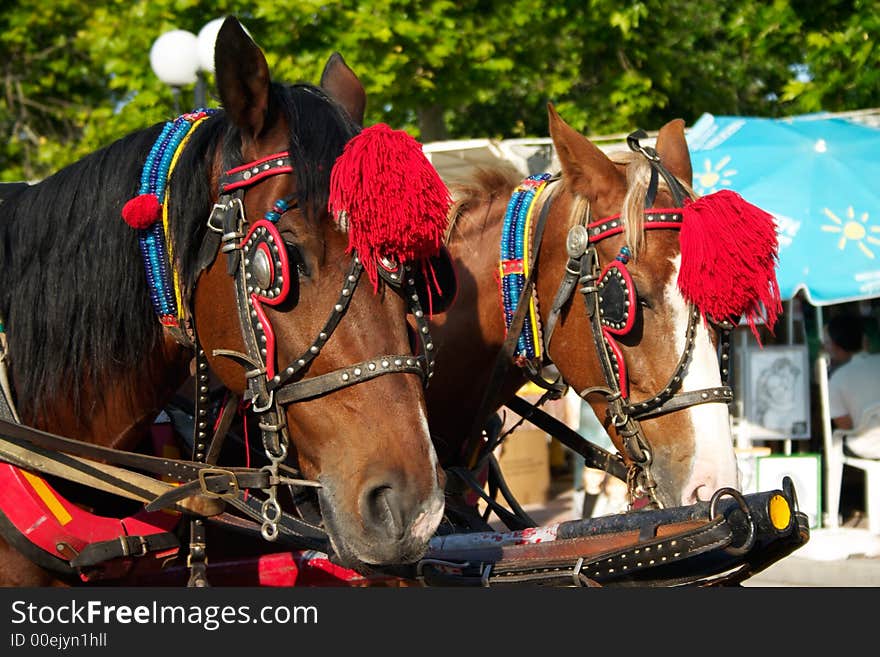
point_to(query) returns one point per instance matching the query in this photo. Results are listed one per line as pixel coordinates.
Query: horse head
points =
(653, 368)
(282, 320)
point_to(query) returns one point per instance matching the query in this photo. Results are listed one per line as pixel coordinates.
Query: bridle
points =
(258, 262)
(610, 300)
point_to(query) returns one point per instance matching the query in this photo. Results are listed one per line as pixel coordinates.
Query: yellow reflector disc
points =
(780, 512)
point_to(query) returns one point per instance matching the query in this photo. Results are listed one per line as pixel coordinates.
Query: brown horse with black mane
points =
(247, 270)
(629, 292)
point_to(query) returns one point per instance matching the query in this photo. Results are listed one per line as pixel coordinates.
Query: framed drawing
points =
(777, 392)
(805, 472)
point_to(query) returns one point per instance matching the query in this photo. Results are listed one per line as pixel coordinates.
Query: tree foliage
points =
(76, 73)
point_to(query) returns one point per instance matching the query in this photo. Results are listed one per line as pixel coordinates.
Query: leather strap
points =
(124, 547)
(594, 456)
(358, 373)
(105, 477)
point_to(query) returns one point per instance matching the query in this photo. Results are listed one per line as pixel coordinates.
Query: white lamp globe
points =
(207, 38)
(174, 57)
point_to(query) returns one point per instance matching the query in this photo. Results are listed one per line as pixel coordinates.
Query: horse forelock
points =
(319, 131)
(632, 213)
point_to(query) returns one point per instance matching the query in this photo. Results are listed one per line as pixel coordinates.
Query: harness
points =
(610, 300)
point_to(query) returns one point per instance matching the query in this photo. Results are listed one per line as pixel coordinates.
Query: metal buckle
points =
(232, 490)
(267, 406)
(126, 552)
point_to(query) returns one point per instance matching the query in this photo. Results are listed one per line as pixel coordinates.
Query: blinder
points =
(617, 298)
(435, 282)
(268, 281)
(266, 265)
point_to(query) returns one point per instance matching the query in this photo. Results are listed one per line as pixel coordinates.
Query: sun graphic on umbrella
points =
(713, 176)
(853, 229)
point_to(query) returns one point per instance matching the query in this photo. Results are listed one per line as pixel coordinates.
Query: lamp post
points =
(179, 58)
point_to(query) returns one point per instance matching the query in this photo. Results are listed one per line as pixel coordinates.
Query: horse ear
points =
(673, 149)
(340, 82)
(589, 170)
(242, 77)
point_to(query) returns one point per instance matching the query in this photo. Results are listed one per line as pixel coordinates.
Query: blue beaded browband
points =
(148, 213)
(514, 263)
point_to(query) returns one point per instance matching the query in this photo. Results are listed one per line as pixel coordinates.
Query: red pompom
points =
(729, 251)
(388, 196)
(142, 211)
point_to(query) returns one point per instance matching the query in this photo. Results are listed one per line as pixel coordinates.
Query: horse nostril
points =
(383, 507)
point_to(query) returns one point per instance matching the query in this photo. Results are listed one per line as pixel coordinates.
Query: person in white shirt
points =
(855, 381)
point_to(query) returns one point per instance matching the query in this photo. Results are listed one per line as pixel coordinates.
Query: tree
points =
(77, 75)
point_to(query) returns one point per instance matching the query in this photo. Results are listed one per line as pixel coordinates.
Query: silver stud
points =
(338, 307)
(371, 366)
(314, 349)
(357, 371)
(345, 376)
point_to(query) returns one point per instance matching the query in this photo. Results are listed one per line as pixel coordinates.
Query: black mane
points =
(73, 293)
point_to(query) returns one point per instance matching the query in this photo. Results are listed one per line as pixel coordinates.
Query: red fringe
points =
(394, 201)
(729, 251)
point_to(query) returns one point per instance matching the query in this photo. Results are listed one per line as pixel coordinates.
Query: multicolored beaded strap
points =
(514, 264)
(144, 211)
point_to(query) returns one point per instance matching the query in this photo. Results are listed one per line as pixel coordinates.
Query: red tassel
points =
(389, 197)
(142, 211)
(729, 250)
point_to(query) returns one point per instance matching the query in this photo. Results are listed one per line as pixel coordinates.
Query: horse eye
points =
(296, 258)
(644, 302)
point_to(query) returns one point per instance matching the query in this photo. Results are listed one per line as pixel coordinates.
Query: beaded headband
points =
(144, 211)
(514, 263)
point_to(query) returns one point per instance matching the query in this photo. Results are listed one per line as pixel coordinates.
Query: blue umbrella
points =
(819, 176)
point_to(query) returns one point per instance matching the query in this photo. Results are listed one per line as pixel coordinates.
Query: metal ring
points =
(272, 505)
(743, 505)
(269, 531)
